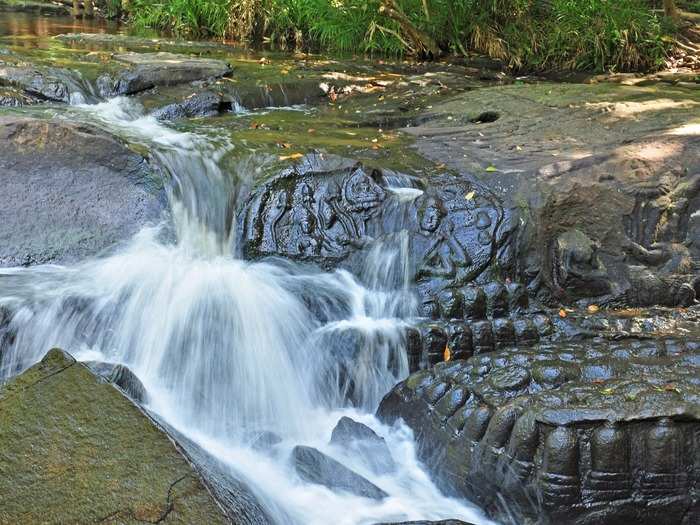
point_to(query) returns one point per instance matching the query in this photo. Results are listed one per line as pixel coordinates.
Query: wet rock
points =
(148, 70)
(76, 450)
(326, 209)
(44, 83)
(363, 442)
(121, 376)
(69, 191)
(595, 432)
(202, 104)
(315, 467)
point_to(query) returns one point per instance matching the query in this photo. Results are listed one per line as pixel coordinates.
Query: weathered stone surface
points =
(75, 450)
(201, 104)
(44, 83)
(601, 432)
(149, 70)
(363, 442)
(325, 209)
(315, 467)
(606, 178)
(69, 191)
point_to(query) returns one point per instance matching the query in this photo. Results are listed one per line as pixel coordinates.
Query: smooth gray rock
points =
(315, 467)
(69, 191)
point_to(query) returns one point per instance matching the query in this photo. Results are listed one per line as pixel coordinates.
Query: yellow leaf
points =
(470, 196)
(593, 308)
(562, 313)
(447, 354)
(292, 156)
(491, 168)
(607, 391)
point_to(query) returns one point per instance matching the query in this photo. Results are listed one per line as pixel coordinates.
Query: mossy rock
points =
(75, 450)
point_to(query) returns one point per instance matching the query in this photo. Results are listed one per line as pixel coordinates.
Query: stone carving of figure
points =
(444, 254)
(276, 208)
(303, 240)
(363, 197)
(331, 213)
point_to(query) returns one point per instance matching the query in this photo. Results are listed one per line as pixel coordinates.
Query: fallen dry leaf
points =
(292, 156)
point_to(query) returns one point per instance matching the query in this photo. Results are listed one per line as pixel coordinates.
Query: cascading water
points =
(225, 347)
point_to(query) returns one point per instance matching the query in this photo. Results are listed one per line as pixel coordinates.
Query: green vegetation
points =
(619, 35)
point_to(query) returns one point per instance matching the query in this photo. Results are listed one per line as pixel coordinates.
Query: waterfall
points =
(227, 347)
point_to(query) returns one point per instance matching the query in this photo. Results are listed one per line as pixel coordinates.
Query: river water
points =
(229, 348)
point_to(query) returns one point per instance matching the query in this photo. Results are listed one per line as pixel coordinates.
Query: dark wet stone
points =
(360, 440)
(69, 191)
(327, 209)
(591, 439)
(148, 70)
(201, 104)
(121, 376)
(315, 467)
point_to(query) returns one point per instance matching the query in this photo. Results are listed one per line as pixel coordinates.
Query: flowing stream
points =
(228, 348)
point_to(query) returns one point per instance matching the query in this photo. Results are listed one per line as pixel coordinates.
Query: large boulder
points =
(601, 432)
(145, 71)
(69, 191)
(75, 450)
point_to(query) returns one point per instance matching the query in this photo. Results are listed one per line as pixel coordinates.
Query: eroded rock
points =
(603, 432)
(69, 191)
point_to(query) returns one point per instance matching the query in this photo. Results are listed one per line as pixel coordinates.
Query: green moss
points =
(75, 450)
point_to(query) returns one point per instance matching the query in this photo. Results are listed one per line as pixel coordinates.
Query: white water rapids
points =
(227, 347)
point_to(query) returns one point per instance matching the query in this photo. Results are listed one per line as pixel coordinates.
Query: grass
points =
(594, 35)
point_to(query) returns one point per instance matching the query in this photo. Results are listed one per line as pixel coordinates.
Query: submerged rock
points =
(75, 450)
(314, 466)
(362, 441)
(591, 433)
(69, 191)
(148, 70)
